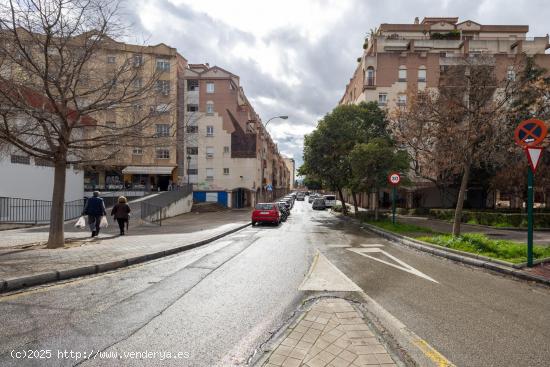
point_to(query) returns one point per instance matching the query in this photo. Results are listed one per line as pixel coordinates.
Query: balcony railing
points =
(370, 81)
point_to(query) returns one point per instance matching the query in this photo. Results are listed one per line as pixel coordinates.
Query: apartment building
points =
(151, 164)
(400, 59)
(291, 166)
(231, 159)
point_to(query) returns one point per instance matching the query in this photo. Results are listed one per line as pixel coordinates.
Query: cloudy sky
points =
(295, 57)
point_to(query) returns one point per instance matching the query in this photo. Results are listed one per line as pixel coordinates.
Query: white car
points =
(330, 200)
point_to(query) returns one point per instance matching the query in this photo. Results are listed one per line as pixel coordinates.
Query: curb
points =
(11, 284)
(472, 259)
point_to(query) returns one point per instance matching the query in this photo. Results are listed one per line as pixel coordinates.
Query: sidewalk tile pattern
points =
(331, 334)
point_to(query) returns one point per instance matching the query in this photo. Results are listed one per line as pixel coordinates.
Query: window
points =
(41, 162)
(209, 107)
(209, 87)
(402, 99)
(138, 60)
(111, 59)
(209, 152)
(163, 130)
(163, 65)
(226, 171)
(210, 130)
(192, 171)
(402, 74)
(137, 151)
(422, 74)
(192, 85)
(192, 108)
(163, 86)
(511, 74)
(138, 83)
(226, 149)
(163, 153)
(20, 159)
(162, 108)
(192, 129)
(192, 150)
(382, 99)
(210, 174)
(370, 76)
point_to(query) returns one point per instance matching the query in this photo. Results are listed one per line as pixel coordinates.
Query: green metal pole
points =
(393, 203)
(530, 184)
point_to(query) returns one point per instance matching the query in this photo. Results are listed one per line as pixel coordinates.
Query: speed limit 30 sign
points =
(394, 178)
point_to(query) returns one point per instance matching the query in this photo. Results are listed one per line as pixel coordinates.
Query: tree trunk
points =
(376, 196)
(354, 195)
(460, 202)
(56, 237)
(344, 208)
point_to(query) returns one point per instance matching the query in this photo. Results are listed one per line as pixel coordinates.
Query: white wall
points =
(35, 182)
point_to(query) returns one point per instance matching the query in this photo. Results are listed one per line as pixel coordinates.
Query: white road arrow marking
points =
(404, 266)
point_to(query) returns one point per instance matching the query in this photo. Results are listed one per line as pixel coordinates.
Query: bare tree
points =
(57, 91)
(450, 130)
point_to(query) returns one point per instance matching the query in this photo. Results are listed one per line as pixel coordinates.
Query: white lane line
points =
(372, 245)
(404, 266)
(339, 246)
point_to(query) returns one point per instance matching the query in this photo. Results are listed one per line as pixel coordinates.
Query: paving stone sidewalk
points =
(22, 252)
(333, 334)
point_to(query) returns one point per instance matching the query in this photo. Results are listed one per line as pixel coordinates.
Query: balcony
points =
(370, 83)
(420, 45)
(192, 97)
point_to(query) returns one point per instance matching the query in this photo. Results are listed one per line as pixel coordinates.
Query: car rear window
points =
(330, 197)
(264, 206)
(318, 201)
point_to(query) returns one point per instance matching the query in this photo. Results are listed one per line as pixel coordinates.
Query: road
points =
(215, 305)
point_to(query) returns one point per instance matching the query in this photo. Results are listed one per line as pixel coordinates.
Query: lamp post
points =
(188, 167)
(283, 117)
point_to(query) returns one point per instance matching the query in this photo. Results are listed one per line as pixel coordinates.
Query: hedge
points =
(542, 220)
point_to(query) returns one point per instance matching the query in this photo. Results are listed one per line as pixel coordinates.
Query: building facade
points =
(149, 166)
(230, 157)
(400, 59)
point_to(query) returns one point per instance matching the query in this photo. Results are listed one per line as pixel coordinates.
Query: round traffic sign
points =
(394, 178)
(530, 133)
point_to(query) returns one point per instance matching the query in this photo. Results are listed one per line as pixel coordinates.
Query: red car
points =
(266, 212)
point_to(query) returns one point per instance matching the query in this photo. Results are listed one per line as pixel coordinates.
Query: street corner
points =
(331, 332)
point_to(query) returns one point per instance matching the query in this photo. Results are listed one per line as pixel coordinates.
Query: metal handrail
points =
(19, 210)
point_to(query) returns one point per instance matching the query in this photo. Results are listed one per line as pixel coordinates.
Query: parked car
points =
(287, 205)
(318, 204)
(311, 198)
(307, 193)
(300, 196)
(330, 200)
(266, 213)
(283, 210)
(290, 200)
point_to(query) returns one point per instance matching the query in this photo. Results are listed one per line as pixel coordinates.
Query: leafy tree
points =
(327, 149)
(372, 162)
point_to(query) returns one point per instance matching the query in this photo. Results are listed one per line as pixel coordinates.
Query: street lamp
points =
(188, 168)
(283, 117)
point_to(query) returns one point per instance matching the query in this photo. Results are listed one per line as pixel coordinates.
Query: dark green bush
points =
(496, 219)
(402, 211)
(419, 211)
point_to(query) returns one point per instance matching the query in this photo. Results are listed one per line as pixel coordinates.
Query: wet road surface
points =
(216, 304)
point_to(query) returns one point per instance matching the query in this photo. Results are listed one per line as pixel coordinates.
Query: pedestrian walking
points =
(94, 209)
(121, 212)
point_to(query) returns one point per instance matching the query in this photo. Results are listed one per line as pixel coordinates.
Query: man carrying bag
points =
(94, 209)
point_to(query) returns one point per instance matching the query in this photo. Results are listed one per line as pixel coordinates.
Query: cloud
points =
(295, 57)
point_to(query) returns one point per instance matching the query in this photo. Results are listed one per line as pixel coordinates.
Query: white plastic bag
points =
(81, 222)
(103, 223)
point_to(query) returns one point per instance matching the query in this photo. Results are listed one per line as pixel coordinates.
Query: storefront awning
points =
(148, 170)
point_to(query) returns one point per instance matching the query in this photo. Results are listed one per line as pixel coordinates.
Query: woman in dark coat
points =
(121, 212)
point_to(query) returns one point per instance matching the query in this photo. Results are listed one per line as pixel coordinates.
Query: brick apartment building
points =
(231, 157)
(399, 59)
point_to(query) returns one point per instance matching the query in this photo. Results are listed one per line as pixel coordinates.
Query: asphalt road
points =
(216, 304)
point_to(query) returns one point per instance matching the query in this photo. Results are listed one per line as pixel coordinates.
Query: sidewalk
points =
(23, 252)
(332, 333)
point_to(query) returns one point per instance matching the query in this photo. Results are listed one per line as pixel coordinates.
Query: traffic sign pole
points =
(530, 184)
(393, 203)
